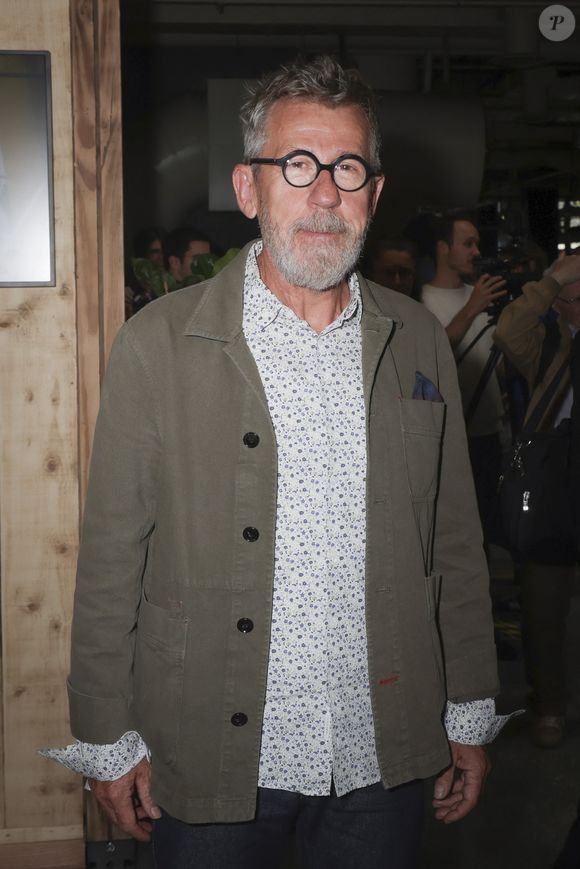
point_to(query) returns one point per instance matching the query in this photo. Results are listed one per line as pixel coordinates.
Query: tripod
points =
(494, 356)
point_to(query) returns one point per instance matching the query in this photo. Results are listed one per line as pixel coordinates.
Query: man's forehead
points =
(295, 122)
(393, 255)
(464, 230)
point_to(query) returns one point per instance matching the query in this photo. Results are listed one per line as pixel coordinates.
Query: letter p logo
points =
(557, 23)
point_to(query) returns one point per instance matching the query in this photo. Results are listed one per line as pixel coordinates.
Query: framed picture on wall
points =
(26, 191)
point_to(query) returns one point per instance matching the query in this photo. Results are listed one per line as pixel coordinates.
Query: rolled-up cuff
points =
(102, 762)
(98, 719)
(474, 722)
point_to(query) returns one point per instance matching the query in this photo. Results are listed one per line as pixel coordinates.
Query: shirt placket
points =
(308, 378)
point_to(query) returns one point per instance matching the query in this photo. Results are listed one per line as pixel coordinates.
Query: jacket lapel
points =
(377, 329)
(218, 317)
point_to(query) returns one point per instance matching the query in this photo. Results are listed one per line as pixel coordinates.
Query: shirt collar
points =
(262, 307)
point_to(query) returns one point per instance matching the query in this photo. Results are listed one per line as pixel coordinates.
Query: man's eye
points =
(349, 167)
(297, 164)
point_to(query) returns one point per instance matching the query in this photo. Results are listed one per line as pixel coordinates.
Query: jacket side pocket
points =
(158, 678)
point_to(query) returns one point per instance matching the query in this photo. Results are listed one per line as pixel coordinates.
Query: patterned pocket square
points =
(424, 389)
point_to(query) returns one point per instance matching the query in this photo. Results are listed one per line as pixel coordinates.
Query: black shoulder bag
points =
(535, 491)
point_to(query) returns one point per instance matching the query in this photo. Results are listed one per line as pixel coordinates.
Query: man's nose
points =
(323, 191)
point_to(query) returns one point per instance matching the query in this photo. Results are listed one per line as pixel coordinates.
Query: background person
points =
(181, 246)
(147, 245)
(460, 301)
(545, 588)
(391, 263)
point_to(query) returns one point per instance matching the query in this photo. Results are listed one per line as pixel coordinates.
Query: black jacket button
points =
(245, 626)
(238, 719)
(250, 534)
(251, 439)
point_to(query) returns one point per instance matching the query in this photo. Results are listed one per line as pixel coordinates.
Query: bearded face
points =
(312, 235)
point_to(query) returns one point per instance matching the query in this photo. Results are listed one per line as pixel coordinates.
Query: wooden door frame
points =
(98, 180)
(98, 195)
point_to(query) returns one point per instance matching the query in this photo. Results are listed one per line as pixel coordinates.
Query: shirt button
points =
(250, 534)
(238, 719)
(245, 626)
(251, 439)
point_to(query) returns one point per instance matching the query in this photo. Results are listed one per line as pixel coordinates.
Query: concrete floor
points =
(531, 795)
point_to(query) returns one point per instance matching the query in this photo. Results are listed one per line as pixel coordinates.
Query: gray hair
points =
(322, 80)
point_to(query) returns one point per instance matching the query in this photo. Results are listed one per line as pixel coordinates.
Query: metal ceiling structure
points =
(491, 51)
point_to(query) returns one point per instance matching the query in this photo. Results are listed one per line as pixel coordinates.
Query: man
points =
(181, 246)
(139, 291)
(460, 303)
(392, 264)
(262, 585)
(148, 244)
(546, 589)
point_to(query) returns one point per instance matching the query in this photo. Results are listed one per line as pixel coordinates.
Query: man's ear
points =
(245, 189)
(441, 250)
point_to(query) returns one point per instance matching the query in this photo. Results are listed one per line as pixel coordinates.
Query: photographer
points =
(460, 301)
(536, 334)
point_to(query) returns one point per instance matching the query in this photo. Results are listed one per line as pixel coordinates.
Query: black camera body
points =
(515, 274)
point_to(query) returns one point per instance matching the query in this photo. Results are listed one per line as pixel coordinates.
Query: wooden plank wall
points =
(39, 481)
(53, 346)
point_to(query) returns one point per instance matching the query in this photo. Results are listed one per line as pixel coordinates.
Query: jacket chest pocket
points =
(422, 424)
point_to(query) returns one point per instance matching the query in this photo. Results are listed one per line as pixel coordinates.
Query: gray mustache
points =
(321, 223)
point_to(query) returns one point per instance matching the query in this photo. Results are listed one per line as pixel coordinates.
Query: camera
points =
(513, 265)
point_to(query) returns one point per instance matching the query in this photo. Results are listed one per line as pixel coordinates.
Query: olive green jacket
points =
(165, 572)
(520, 334)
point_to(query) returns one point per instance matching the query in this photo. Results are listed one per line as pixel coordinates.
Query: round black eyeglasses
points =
(301, 168)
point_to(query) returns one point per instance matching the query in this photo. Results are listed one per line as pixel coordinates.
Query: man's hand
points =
(117, 799)
(457, 790)
(486, 290)
(566, 269)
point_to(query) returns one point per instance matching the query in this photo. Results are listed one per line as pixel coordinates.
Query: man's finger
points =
(143, 788)
(443, 784)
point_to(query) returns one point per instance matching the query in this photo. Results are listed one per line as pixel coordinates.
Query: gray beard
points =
(320, 265)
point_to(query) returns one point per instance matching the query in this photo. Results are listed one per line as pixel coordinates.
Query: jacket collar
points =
(218, 314)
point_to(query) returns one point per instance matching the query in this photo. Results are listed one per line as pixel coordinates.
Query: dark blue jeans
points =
(370, 828)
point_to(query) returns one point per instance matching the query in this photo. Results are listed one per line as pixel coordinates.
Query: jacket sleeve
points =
(520, 332)
(118, 519)
(464, 611)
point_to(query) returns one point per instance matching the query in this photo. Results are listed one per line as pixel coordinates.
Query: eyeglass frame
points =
(282, 161)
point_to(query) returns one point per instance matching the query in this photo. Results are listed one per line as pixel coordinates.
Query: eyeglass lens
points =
(301, 170)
